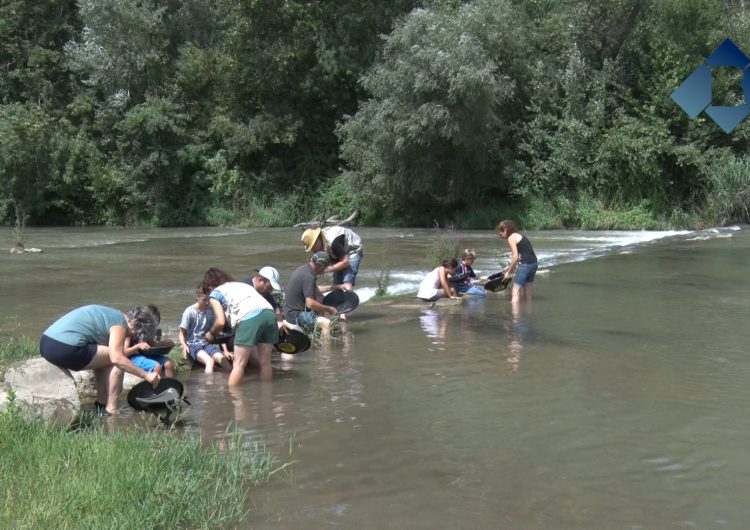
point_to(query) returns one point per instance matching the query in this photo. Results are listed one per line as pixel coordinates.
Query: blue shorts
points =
(348, 275)
(66, 356)
(148, 363)
(195, 348)
(525, 273)
(306, 320)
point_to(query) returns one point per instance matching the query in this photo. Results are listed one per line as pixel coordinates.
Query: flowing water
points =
(619, 399)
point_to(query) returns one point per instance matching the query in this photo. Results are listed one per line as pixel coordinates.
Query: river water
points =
(619, 399)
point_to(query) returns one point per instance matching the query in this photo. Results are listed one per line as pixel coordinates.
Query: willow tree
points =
(437, 127)
(29, 160)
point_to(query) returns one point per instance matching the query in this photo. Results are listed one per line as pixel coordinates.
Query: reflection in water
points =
(340, 377)
(520, 332)
(434, 324)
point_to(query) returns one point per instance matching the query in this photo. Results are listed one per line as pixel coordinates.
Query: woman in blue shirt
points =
(93, 337)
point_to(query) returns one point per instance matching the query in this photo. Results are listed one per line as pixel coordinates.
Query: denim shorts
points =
(348, 275)
(306, 320)
(525, 273)
(472, 290)
(195, 348)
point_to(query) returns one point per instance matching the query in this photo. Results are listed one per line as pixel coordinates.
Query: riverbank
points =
(96, 474)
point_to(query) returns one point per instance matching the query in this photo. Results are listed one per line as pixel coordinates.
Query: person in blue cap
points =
(302, 304)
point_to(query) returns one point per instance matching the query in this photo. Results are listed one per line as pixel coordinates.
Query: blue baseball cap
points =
(321, 258)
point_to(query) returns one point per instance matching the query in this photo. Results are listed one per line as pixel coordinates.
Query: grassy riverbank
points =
(91, 476)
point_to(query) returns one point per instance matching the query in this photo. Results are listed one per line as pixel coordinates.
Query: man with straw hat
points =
(344, 249)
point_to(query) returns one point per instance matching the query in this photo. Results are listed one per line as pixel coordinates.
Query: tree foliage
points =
(167, 112)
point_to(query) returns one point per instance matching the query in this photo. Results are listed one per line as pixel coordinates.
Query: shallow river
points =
(620, 399)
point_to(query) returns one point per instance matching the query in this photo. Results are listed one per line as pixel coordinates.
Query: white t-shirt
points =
(353, 241)
(430, 286)
(239, 300)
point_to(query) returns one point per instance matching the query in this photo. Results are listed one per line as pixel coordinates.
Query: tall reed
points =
(445, 244)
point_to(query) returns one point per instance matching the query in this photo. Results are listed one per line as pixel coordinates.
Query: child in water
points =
(138, 352)
(197, 319)
(462, 279)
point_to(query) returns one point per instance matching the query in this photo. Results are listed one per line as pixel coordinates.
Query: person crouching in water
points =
(463, 278)
(197, 319)
(435, 285)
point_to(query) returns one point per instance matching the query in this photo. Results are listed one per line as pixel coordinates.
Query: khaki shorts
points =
(260, 328)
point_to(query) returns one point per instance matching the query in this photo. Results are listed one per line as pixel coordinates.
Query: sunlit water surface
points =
(620, 399)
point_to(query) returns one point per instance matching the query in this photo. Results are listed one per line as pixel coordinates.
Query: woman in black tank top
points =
(523, 261)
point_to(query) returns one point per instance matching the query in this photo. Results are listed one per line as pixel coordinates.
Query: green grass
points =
(52, 477)
(13, 351)
(282, 212)
(384, 280)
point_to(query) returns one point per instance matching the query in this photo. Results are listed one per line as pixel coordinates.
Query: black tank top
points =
(525, 251)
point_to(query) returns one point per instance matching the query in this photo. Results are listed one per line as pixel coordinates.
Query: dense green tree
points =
(191, 111)
(29, 159)
(32, 36)
(438, 128)
(294, 73)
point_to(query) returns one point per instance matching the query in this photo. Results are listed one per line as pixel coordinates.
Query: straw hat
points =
(309, 237)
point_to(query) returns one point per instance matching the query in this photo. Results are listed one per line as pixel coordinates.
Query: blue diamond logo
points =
(695, 93)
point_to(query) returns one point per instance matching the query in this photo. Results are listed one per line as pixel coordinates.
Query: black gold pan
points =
(497, 282)
(293, 341)
(343, 301)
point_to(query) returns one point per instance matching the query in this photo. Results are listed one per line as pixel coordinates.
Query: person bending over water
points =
(251, 317)
(523, 260)
(93, 338)
(435, 285)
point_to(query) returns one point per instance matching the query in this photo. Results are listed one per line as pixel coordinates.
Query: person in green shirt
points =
(93, 338)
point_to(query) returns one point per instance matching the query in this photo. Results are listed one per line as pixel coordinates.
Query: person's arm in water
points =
(183, 344)
(449, 291)
(220, 319)
(316, 306)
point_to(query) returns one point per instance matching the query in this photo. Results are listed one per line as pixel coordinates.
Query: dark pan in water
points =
(162, 401)
(496, 282)
(343, 301)
(157, 351)
(223, 337)
(293, 342)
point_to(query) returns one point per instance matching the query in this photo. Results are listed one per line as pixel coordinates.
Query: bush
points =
(728, 194)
